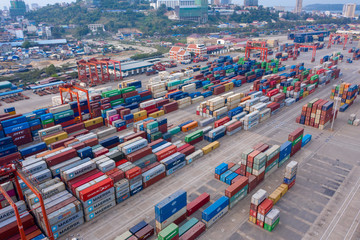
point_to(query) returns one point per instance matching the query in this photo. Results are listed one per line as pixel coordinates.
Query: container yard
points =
(215, 152)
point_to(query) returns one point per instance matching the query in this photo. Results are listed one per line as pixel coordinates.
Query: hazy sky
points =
(262, 2)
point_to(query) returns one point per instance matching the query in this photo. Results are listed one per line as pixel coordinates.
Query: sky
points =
(261, 2)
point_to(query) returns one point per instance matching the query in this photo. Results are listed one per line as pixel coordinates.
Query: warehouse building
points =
(133, 68)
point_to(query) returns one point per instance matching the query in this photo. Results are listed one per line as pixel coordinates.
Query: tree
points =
(81, 31)
(50, 70)
(26, 44)
(161, 10)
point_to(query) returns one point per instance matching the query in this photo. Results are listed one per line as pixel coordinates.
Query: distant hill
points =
(326, 7)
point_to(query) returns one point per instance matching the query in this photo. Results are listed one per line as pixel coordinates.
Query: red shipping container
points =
(12, 229)
(199, 202)
(154, 180)
(67, 123)
(60, 143)
(96, 189)
(121, 162)
(221, 122)
(101, 152)
(105, 101)
(21, 140)
(265, 206)
(170, 107)
(61, 157)
(194, 232)
(135, 135)
(19, 133)
(145, 233)
(74, 128)
(183, 147)
(78, 146)
(82, 179)
(10, 158)
(129, 94)
(132, 157)
(187, 151)
(166, 152)
(91, 142)
(236, 187)
(162, 102)
(199, 139)
(163, 128)
(150, 111)
(134, 172)
(115, 174)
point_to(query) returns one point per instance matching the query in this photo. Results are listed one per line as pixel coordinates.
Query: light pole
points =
(336, 98)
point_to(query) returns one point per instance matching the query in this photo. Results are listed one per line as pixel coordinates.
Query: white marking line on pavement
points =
(336, 218)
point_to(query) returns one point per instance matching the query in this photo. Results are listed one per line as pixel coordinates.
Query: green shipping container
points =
(128, 89)
(117, 102)
(156, 136)
(207, 86)
(174, 130)
(152, 125)
(271, 227)
(111, 93)
(189, 224)
(297, 140)
(192, 136)
(169, 232)
(47, 121)
(63, 114)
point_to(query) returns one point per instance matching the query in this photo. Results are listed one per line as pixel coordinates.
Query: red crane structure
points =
(11, 173)
(333, 35)
(93, 65)
(74, 90)
(296, 52)
(264, 52)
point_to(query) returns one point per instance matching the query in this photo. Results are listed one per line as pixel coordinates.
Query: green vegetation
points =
(35, 75)
(146, 55)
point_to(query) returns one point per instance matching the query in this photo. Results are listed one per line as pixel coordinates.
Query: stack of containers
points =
(170, 210)
(278, 193)
(260, 206)
(215, 211)
(64, 114)
(237, 190)
(10, 190)
(18, 129)
(347, 92)
(215, 134)
(9, 227)
(8, 151)
(272, 159)
(272, 219)
(290, 174)
(317, 113)
(63, 210)
(171, 232)
(141, 230)
(296, 139)
(285, 151)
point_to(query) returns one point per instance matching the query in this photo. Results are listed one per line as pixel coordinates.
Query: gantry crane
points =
(92, 66)
(297, 46)
(264, 52)
(11, 173)
(74, 90)
(251, 43)
(345, 36)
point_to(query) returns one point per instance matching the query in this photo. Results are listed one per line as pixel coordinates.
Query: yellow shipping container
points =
(140, 114)
(139, 118)
(229, 86)
(252, 219)
(212, 146)
(55, 138)
(275, 196)
(12, 113)
(306, 93)
(91, 122)
(157, 114)
(284, 188)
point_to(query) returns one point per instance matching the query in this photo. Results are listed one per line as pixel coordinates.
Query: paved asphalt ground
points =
(323, 204)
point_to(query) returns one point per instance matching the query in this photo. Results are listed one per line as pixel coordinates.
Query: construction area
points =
(187, 133)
